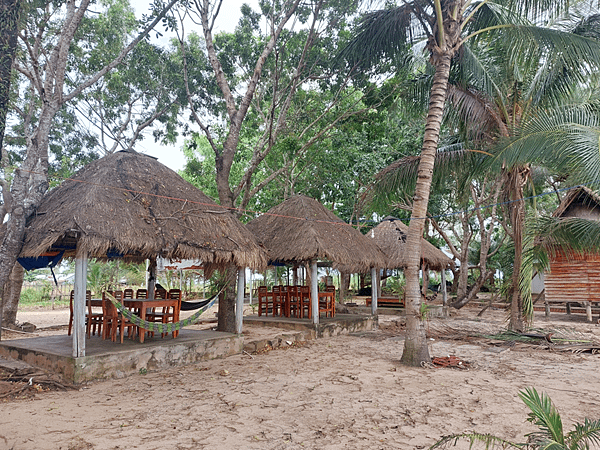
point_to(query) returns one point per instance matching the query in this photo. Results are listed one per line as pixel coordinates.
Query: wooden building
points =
(575, 276)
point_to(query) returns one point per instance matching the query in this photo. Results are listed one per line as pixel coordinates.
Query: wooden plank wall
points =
(573, 279)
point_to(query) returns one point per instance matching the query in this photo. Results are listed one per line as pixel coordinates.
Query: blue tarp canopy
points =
(48, 259)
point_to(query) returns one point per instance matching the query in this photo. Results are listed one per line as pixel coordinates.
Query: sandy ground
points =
(347, 392)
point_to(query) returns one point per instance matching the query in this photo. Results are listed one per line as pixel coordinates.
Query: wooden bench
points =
(388, 301)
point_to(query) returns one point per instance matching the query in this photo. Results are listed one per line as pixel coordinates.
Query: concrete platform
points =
(340, 324)
(106, 359)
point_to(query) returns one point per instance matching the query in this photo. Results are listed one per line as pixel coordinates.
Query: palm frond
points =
(585, 435)
(487, 441)
(383, 34)
(566, 139)
(567, 235)
(544, 415)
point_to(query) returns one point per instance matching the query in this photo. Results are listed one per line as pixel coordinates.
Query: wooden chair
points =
(294, 301)
(278, 301)
(327, 304)
(265, 301)
(93, 321)
(115, 321)
(141, 293)
(128, 293)
(331, 288)
(171, 314)
(305, 303)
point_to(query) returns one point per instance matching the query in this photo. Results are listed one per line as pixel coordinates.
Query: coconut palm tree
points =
(448, 27)
(551, 434)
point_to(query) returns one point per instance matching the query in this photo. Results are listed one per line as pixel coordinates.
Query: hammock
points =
(161, 327)
(191, 306)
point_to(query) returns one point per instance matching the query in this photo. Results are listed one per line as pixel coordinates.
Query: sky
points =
(172, 156)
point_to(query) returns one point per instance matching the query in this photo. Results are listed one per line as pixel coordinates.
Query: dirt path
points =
(347, 392)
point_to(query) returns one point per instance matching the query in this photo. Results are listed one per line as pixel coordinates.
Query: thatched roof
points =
(131, 204)
(390, 235)
(579, 202)
(301, 229)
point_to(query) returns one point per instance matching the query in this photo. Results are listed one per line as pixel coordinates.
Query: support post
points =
(251, 285)
(152, 278)
(79, 303)
(239, 302)
(444, 289)
(314, 293)
(374, 286)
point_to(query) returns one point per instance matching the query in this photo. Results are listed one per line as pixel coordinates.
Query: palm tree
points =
(447, 26)
(550, 435)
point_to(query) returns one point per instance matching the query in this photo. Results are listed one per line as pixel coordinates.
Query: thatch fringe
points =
(390, 235)
(301, 229)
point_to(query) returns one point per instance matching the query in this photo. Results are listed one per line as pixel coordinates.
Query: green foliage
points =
(549, 436)
(31, 296)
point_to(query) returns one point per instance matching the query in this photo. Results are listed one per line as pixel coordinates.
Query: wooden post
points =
(79, 303)
(314, 292)
(151, 278)
(374, 286)
(588, 310)
(239, 303)
(251, 285)
(444, 290)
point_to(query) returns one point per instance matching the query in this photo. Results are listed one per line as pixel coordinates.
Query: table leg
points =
(141, 330)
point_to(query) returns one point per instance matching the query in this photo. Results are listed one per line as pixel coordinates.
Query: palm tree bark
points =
(416, 350)
(516, 180)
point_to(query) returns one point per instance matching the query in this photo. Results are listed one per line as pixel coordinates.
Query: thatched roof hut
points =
(580, 202)
(301, 229)
(390, 236)
(575, 275)
(129, 205)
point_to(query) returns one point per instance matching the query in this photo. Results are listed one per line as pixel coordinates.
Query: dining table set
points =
(104, 318)
(294, 301)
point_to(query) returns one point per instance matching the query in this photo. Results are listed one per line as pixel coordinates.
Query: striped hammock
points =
(157, 327)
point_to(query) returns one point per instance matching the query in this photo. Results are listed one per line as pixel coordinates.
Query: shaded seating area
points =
(294, 301)
(128, 206)
(302, 232)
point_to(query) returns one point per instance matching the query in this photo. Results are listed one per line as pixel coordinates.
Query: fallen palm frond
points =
(557, 339)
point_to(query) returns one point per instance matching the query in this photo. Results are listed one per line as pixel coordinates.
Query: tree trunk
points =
(517, 180)
(10, 11)
(416, 350)
(227, 300)
(12, 295)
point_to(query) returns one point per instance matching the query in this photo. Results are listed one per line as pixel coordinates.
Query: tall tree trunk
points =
(12, 295)
(10, 11)
(517, 178)
(416, 350)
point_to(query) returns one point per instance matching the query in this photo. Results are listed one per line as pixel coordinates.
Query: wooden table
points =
(142, 306)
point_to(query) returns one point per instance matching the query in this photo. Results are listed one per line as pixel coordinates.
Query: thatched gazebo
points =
(128, 205)
(390, 236)
(303, 230)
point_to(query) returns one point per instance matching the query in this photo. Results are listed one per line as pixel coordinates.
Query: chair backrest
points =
(160, 293)
(108, 309)
(128, 293)
(262, 289)
(119, 296)
(175, 294)
(141, 293)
